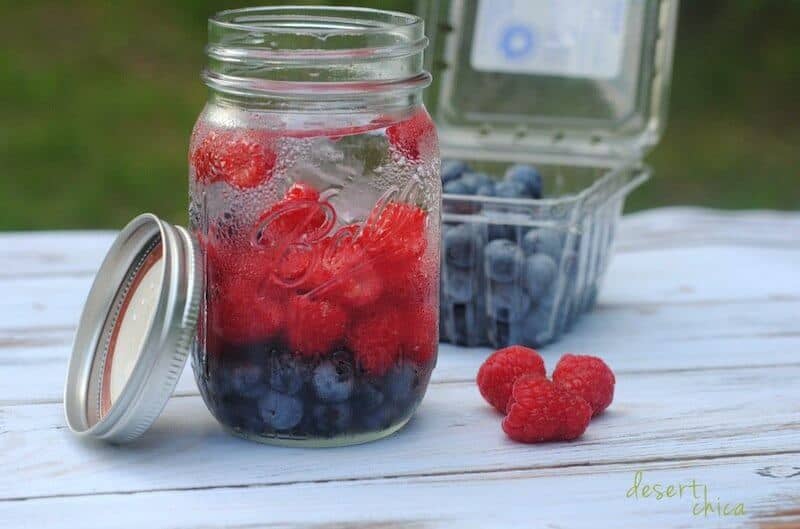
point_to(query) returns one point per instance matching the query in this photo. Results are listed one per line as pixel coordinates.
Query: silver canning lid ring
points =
(135, 332)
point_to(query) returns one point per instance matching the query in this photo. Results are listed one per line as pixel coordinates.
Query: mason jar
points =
(315, 197)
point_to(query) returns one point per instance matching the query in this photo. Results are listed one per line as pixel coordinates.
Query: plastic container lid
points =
(135, 331)
(582, 81)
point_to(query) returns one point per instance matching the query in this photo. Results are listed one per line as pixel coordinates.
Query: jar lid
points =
(135, 332)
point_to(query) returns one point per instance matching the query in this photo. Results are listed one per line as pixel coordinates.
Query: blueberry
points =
(279, 411)
(468, 324)
(541, 240)
(499, 333)
(507, 302)
(486, 190)
(332, 419)
(534, 329)
(286, 374)
(245, 380)
(458, 284)
(402, 382)
(540, 272)
(462, 245)
(453, 169)
(458, 187)
(333, 380)
(504, 260)
(367, 396)
(475, 180)
(527, 176)
(511, 190)
(378, 419)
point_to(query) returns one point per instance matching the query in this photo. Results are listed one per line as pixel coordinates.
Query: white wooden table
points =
(699, 316)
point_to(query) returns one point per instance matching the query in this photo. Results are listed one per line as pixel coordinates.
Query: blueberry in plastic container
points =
(468, 324)
(475, 180)
(511, 190)
(333, 380)
(486, 190)
(453, 169)
(462, 246)
(540, 273)
(280, 411)
(507, 302)
(332, 419)
(527, 176)
(286, 374)
(542, 240)
(458, 187)
(458, 284)
(504, 260)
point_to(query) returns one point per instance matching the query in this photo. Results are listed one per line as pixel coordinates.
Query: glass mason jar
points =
(315, 195)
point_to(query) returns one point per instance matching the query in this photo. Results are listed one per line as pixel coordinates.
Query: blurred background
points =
(97, 100)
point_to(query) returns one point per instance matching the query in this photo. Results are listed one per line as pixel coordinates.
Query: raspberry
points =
(497, 374)
(243, 159)
(541, 411)
(315, 326)
(351, 278)
(420, 337)
(413, 136)
(395, 232)
(240, 314)
(299, 217)
(302, 191)
(376, 339)
(587, 376)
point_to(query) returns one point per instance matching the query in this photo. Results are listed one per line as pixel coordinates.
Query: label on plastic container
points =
(571, 38)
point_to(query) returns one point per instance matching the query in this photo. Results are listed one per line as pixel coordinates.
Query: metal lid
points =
(135, 331)
(540, 80)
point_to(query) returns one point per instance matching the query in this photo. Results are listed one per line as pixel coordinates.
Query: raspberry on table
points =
(498, 373)
(588, 377)
(541, 411)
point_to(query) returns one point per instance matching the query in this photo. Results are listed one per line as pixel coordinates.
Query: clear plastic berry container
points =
(576, 92)
(521, 270)
(315, 196)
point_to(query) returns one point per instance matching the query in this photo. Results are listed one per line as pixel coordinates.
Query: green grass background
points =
(97, 100)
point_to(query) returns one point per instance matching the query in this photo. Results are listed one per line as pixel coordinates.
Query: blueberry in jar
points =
(332, 419)
(333, 380)
(280, 412)
(286, 374)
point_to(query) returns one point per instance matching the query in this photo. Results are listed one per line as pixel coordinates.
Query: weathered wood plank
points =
(629, 337)
(694, 275)
(71, 253)
(656, 416)
(591, 497)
